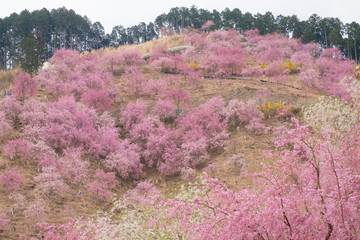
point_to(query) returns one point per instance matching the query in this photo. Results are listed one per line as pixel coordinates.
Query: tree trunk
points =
(65, 40)
(12, 52)
(356, 58)
(173, 25)
(326, 42)
(55, 35)
(5, 58)
(71, 42)
(5, 52)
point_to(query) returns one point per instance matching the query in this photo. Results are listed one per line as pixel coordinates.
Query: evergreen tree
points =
(34, 52)
(309, 35)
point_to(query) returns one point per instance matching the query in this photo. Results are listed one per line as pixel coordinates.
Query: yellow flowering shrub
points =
(194, 65)
(279, 110)
(271, 109)
(292, 67)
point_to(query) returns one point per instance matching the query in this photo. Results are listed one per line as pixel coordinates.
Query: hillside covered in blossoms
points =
(208, 134)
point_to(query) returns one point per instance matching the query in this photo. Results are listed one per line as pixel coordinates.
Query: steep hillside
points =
(128, 142)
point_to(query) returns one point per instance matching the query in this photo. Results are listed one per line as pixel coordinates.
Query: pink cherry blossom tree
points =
(132, 114)
(135, 80)
(132, 58)
(12, 179)
(68, 57)
(11, 108)
(37, 211)
(207, 25)
(144, 193)
(179, 96)
(98, 99)
(240, 113)
(224, 61)
(165, 110)
(25, 86)
(4, 222)
(50, 182)
(18, 148)
(102, 184)
(5, 124)
(125, 161)
(72, 168)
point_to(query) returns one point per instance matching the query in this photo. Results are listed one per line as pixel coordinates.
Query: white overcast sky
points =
(130, 12)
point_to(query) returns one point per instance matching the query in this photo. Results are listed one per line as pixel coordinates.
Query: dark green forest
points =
(36, 35)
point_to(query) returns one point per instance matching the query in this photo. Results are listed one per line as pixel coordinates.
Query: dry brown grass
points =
(148, 47)
(7, 78)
